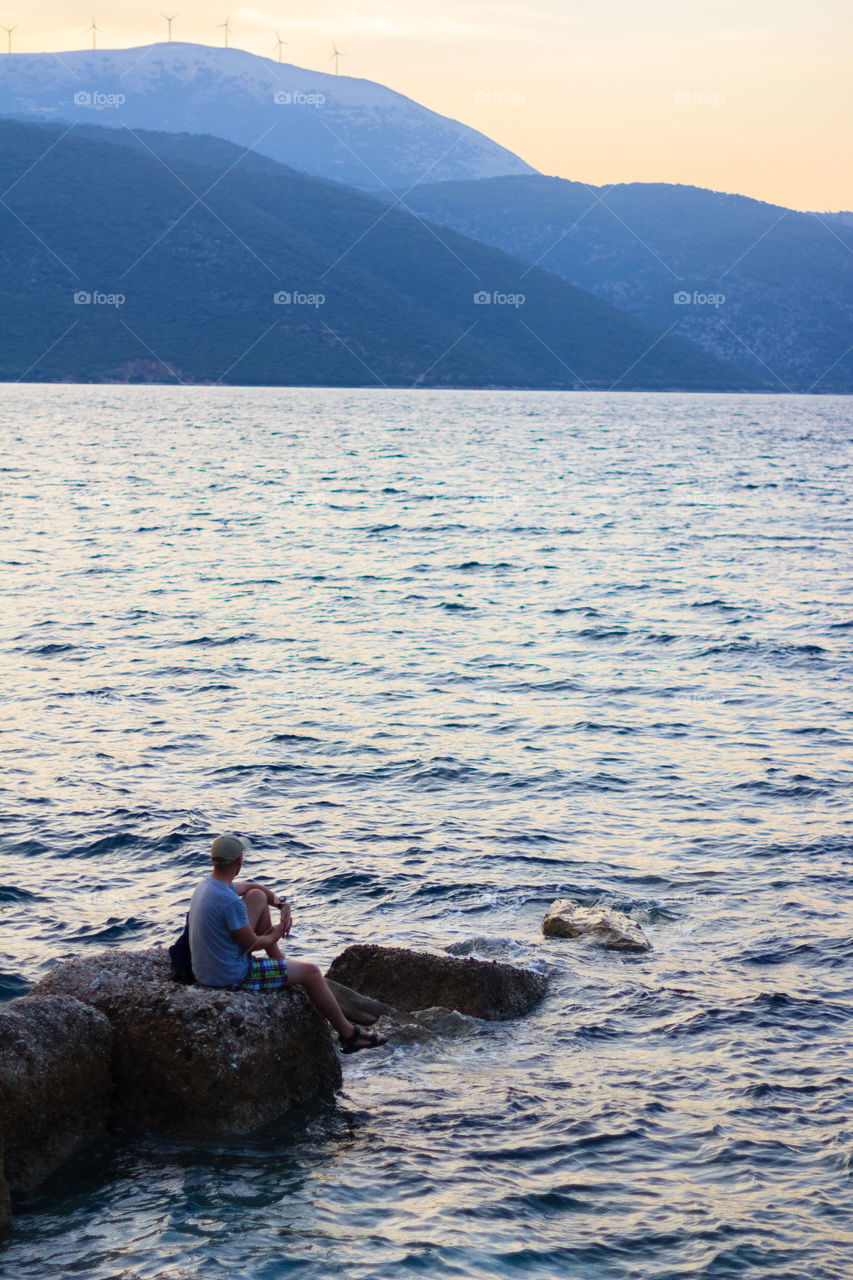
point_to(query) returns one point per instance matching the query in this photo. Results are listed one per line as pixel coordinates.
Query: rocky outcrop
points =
(199, 1059)
(111, 1036)
(412, 980)
(55, 1087)
(5, 1201)
(615, 930)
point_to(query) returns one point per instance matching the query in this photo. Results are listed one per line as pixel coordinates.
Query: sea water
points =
(446, 656)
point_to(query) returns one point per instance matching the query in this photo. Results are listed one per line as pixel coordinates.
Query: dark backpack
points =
(179, 954)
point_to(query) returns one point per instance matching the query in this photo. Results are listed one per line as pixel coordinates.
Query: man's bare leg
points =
(259, 918)
(310, 977)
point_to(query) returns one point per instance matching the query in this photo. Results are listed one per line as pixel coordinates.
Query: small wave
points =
(47, 650)
(607, 782)
(582, 609)
(10, 893)
(782, 653)
(246, 770)
(830, 953)
(12, 986)
(811, 730)
(769, 1010)
(30, 848)
(767, 1090)
(593, 726)
(113, 931)
(761, 787)
(110, 843)
(716, 603)
(215, 642)
(544, 686)
(347, 882)
(604, 633)
(778, 955)
(733, 646)
(468, 565)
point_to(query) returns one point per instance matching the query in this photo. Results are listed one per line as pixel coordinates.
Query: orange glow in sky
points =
(743, 96)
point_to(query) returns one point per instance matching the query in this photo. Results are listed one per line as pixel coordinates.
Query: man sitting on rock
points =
(230, 919)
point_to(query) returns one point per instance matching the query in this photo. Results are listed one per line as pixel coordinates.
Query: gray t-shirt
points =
(215, 909)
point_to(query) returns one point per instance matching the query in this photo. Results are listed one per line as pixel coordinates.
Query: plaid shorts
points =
(265, 974)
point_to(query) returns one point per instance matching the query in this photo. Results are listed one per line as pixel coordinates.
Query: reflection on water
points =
(446, 656)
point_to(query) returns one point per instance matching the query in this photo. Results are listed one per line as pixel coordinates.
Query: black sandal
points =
(371, 1040)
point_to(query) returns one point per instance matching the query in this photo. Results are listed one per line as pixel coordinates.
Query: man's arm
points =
(249, 941)
(242, 887)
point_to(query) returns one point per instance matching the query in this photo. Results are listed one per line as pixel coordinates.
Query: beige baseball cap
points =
(227, 848)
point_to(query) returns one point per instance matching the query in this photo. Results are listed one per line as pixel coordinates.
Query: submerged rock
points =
(357, 1007)
(448, 1024)
(200, 1059)
(615, 930)
(55, 1087)
(411, 980)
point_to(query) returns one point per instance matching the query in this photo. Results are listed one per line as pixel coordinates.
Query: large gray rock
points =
(614, 930)
(200, 1059)
(412, 980)
(55, 1087)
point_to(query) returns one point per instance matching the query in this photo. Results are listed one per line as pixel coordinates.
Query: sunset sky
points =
(745, 96)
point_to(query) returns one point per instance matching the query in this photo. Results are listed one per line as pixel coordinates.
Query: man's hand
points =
(286, 918)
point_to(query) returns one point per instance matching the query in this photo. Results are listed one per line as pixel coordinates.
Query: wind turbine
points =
(337, 54)
(170, 21)
(278, 44)
(227, 28)
(94, 30)
(9, 31)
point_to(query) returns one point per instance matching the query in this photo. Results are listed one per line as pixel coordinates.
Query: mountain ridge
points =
(354, 131)
(216, 256)
(755, 284)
